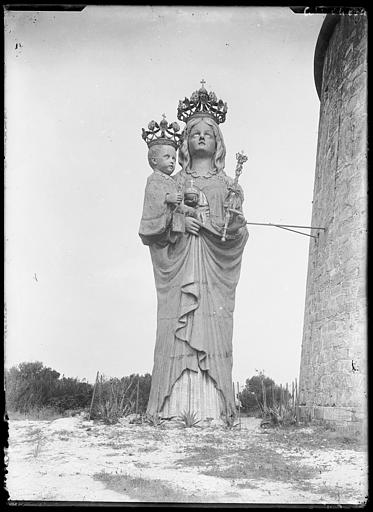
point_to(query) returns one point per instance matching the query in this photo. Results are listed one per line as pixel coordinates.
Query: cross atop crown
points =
(201, 104)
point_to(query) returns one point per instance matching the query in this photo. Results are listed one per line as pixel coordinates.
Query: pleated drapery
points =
(194, 392)
(196, 279)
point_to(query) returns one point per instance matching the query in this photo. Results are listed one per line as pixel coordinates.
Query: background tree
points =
(31, 386)
(252, 396)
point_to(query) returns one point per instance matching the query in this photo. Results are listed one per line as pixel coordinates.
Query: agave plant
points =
(189, 419)
(276, 417)
(154, 420)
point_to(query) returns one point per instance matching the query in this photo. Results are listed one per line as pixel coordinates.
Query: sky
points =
(79, 87)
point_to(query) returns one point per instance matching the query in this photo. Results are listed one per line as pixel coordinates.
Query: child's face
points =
(165, 159)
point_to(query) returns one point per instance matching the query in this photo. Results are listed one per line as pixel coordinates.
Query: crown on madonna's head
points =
(202, 104)
(162, 133)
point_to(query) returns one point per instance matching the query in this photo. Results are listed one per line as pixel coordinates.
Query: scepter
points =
(228, 204)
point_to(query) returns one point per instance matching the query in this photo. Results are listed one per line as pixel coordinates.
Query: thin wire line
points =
(283, 225)
(293, 230)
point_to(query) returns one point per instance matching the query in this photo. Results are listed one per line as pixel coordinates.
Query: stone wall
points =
(333, 359)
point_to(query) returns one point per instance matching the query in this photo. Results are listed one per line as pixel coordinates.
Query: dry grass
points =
(256, 462)
(213, 439)
(146, 490)
(146, 449)
(331, 492)
(117, 445)
(245, 465)
(200, 456)
(320, 437)
(246, 485)
(42, 413)
(39, 440)
(249, 464)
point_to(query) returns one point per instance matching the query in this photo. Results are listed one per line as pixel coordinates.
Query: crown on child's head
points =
(202, 104)
(162, 133)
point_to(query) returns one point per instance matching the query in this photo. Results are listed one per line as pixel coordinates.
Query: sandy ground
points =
(56, 461)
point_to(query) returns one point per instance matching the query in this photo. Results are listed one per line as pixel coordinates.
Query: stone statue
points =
(161, 194)
(196, 271)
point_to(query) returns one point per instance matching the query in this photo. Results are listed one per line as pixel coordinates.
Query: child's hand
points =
(174, 197)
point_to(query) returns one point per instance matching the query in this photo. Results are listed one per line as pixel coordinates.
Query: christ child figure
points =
(163, 215)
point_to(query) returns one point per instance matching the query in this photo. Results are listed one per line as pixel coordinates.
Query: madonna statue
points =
(196, 273)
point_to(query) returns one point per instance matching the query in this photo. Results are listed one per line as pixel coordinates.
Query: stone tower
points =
(333, 369)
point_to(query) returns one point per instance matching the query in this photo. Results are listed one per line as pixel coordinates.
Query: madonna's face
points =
(201, 140)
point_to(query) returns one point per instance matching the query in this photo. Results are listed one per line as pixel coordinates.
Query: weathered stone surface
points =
(333, 359)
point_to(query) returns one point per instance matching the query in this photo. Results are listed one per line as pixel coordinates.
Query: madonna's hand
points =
(192, 225)
(237, 222)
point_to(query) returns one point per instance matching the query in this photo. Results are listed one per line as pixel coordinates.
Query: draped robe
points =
(196, 279)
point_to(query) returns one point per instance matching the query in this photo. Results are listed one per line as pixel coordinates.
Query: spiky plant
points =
(189, 419)
(277, 417)
(154, 420)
